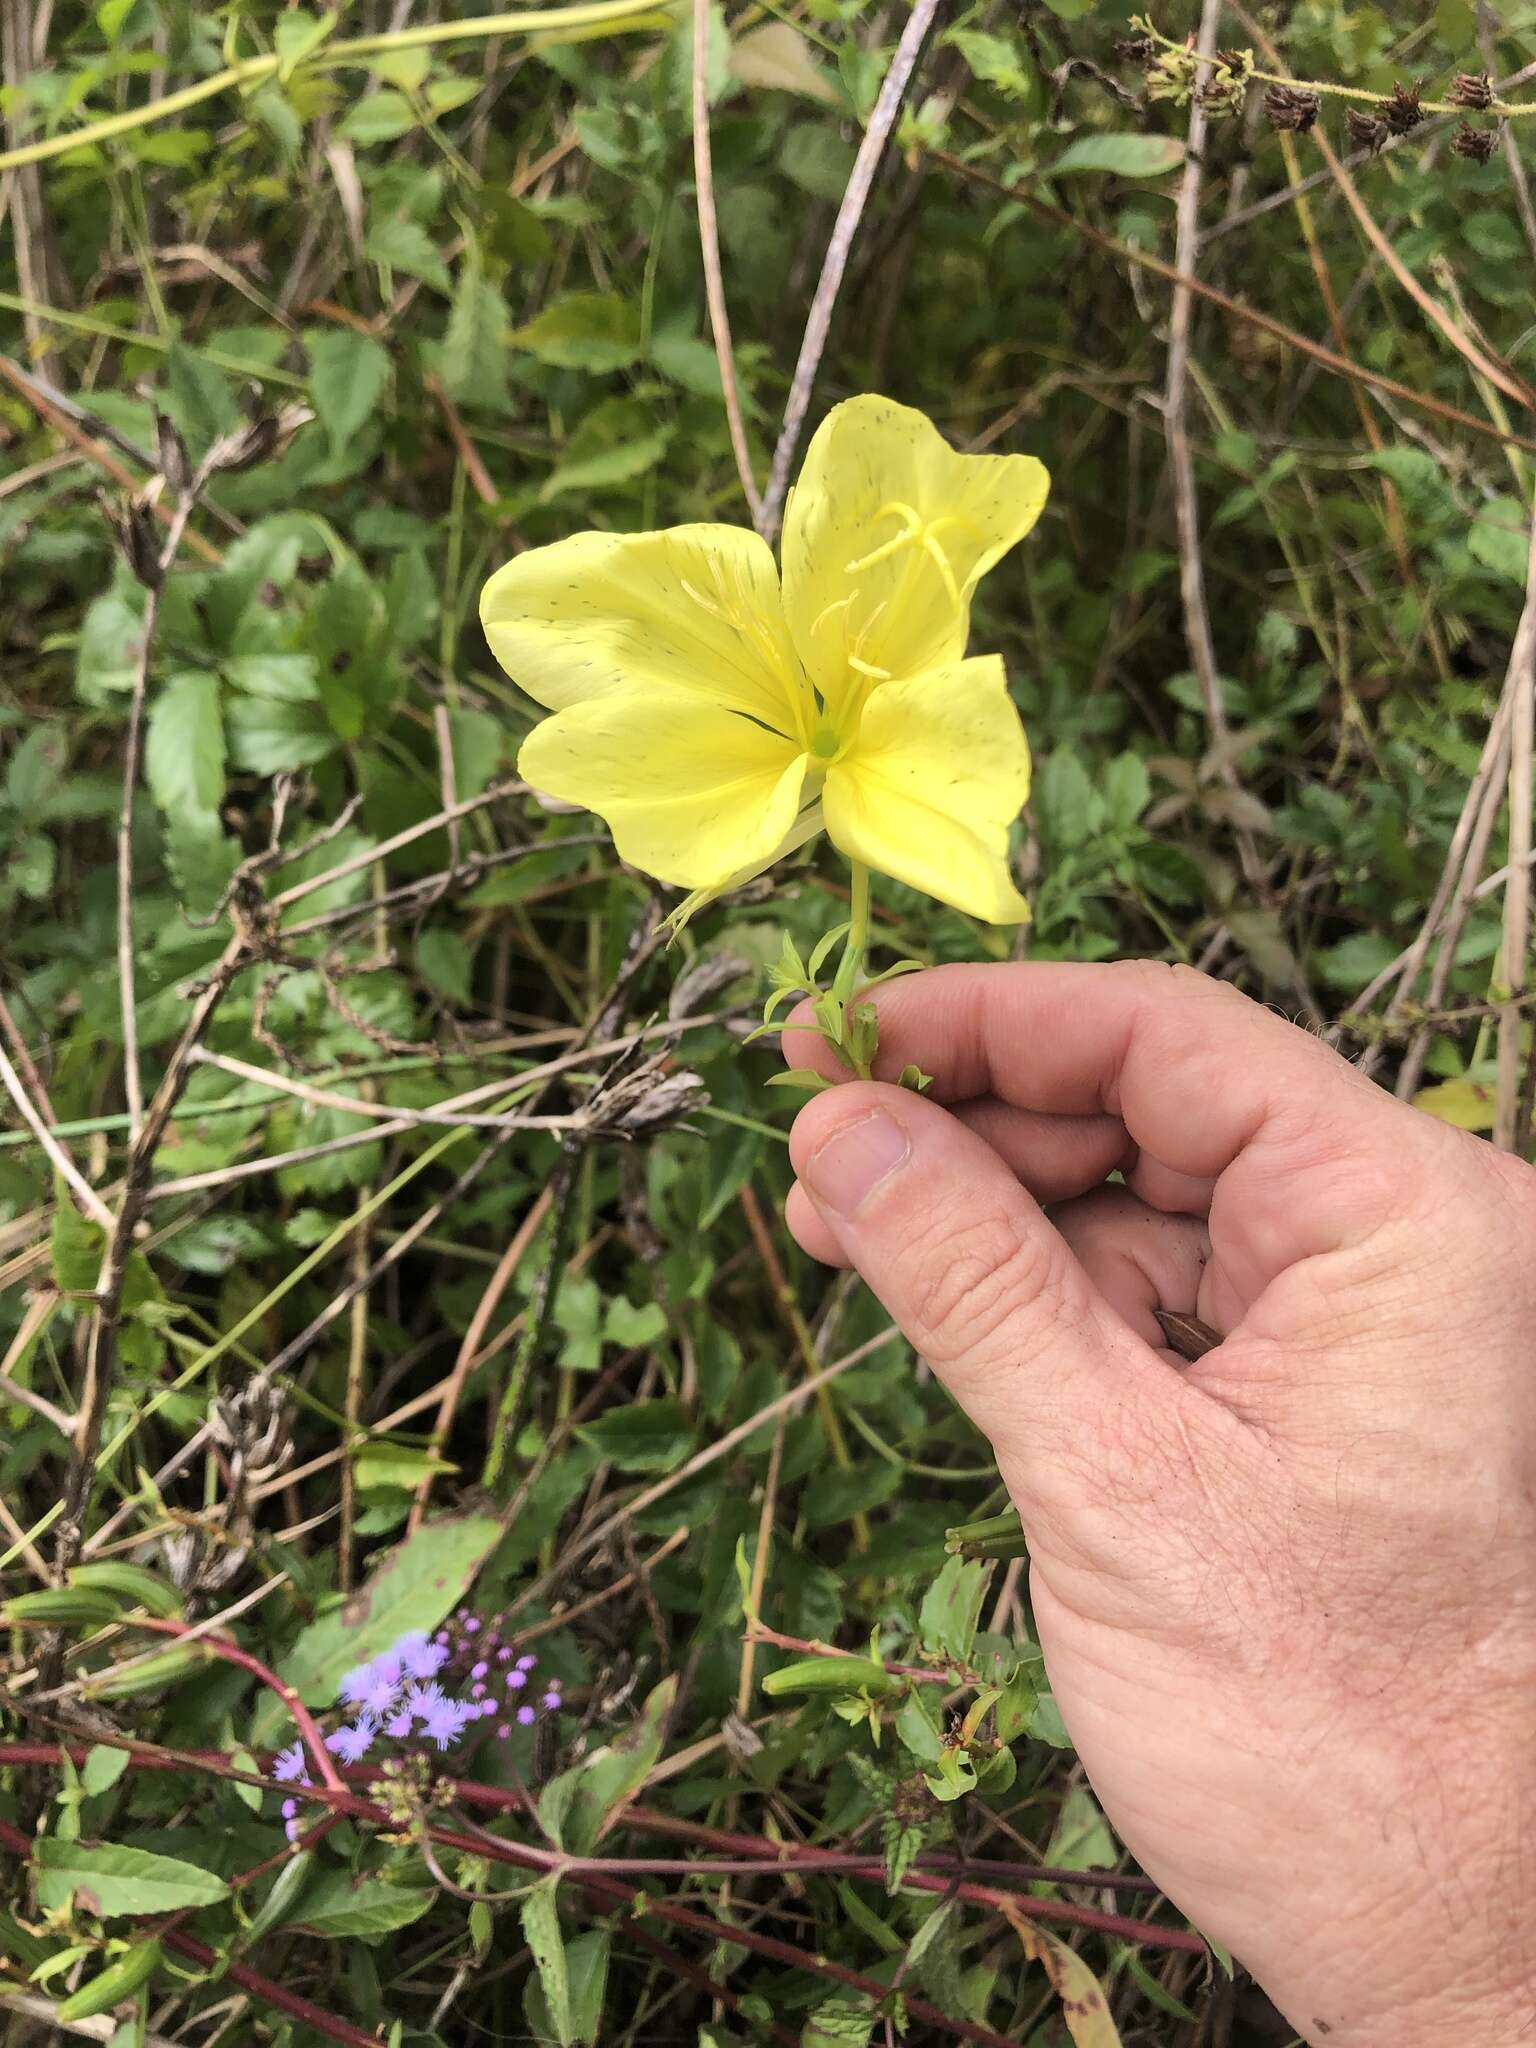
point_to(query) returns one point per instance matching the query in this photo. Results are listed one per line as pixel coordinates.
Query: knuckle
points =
(975, 1280)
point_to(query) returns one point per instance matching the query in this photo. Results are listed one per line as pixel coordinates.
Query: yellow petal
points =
(691, 793)
(880, 481)
(695, 608)
(937, 774)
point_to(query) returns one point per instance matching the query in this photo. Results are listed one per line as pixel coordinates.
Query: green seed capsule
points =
(116, 1983)
(831, 1674)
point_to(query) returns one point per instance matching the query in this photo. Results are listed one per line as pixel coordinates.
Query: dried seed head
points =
(1403, 111)
(132, 520)
(1366, 131)
(1475, 144)
(175, 463)
(1293, 107)
(1472, 89)
(1136, 49)
(1238, 62)
(698, 986)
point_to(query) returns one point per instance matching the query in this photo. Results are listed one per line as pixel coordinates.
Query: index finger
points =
(1198, 1074)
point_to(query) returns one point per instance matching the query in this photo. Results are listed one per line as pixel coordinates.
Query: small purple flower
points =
(471, 1624)
(379, 1695)
(477, 1691)
(288, 1764)
(527, 1661)
(504, 1731)
(516, 1680)
(398, 1726)
(420, 1658)
(504, 1654)
(526, 1717)
(552, 1702)
(351, 1743)
(291, 1830)
(290, 1808)
(479, 1670)
(355, 1684)
(442, 1722)
(488, 1707)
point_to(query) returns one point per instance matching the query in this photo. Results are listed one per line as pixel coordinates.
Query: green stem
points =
(856, 945)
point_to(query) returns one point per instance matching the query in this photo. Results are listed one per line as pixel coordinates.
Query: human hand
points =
(1287, 1594)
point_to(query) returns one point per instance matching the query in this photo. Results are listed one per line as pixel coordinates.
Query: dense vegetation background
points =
(301, 338)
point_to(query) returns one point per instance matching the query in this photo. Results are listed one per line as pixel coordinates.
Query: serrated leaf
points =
(348, 373)
(473, 364)
(541, 1930)
(184, 748)
(594, 331)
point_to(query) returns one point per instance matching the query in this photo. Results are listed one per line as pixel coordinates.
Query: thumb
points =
(985, 1288)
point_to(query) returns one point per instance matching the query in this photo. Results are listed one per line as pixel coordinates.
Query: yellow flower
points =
(717, 720)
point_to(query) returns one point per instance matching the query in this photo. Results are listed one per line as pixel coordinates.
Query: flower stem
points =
(856, 945)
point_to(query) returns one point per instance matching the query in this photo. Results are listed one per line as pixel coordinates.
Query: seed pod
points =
(1366, 131)
(1403, 111)
(1293, 108)
(118, 1982)
(831, 1674)
(1475, 144)
(1472, 89)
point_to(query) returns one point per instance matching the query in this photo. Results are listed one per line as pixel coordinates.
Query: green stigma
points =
(825, 744)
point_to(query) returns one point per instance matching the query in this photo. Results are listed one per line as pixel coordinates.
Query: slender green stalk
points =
(252, 71)
(856, 945)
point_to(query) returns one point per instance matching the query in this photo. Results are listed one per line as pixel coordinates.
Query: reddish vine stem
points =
(754, 1852)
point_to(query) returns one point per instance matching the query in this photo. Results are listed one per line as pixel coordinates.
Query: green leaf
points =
(198, 397)
(348, 373)
(184, 748)
(108, 1879)
(1499, 539)
(1064, 801)
(541, 1930)
(817, 159)
(382, 116)
(951, 1608)
(102, 1768)
(473, 363)
(35, 765)
(776, 57)
(1123, 156)
(337, 1905)
(593, 331)
(418, 1583)
(403, 244)
(644, 1436)
(77, 1245)
(604, 1783)
(268, 736)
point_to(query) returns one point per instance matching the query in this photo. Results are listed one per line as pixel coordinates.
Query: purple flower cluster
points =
(400, 1695)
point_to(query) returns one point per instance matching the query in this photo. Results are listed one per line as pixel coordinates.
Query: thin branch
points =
(1143, 259)
(850, 212)
(79, 1186)
(469, 1347)
(714, 281)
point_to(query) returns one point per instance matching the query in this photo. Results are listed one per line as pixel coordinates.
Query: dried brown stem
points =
(850, 212)
(714, 280)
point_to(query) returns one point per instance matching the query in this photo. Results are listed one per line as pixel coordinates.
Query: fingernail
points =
(847, 1168)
